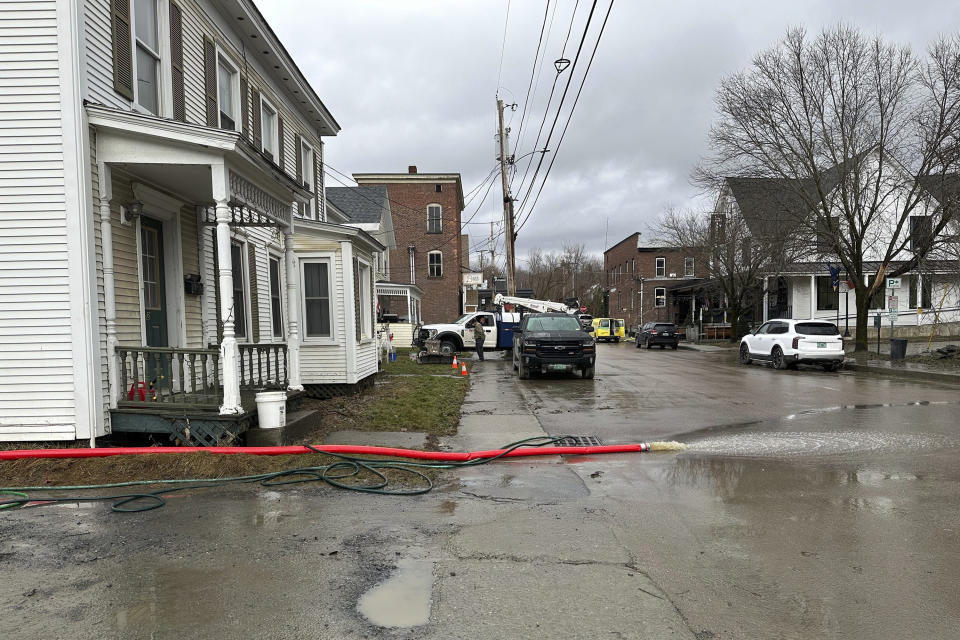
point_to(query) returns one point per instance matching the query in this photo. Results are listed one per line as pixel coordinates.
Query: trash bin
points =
(272, 409)
(393, 356)
(898, 348)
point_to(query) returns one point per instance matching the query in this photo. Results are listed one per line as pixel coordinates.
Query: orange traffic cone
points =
(463, 371)
(454, 366)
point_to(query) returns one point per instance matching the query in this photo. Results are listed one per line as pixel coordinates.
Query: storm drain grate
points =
(578, 441)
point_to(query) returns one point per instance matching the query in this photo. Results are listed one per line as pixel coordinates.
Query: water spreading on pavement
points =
(403, 599)
(800, 443)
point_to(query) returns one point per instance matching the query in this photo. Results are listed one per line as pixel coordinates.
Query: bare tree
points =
(860, 131)
(738, 256)
(570, 273)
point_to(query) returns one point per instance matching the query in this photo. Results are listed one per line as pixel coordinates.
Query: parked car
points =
(585, 319)
(607, 329)
(786, 343)
(552, 342)
(658, 333)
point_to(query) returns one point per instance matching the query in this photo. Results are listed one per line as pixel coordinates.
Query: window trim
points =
(658, 299)
(235, 89)
(329, 258)
(366, 301)
(429, 266)
(275, 151)
(274, 256)
(439, 217)
(691, 271)
(817, 282)
(162, 56)
(660, 270)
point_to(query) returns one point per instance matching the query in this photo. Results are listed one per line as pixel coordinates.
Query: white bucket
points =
(272, 409)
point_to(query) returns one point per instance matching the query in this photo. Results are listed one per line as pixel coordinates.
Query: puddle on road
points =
(800, 443)
(403, 599)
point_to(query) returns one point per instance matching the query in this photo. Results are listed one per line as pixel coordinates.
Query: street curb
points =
(950, 378)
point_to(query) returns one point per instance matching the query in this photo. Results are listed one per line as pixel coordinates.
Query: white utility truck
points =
(497, 325)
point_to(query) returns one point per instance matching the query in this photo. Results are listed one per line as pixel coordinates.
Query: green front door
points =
(154, 287)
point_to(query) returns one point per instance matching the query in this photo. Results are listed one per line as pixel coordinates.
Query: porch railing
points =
(263, 366)
(168, 376)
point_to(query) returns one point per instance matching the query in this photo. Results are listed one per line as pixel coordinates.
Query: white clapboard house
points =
(165, 250)
(928, 293)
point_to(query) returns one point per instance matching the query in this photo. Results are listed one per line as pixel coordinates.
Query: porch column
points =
(293, 312)
(766, 298)
(109, 298)
(813, 296)
(229, 352)
(409, 308)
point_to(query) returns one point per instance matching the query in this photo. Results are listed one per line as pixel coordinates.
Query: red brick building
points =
(642, 282)
(426, 210)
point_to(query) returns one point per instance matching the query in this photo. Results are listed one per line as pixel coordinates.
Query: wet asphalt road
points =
(808, 505)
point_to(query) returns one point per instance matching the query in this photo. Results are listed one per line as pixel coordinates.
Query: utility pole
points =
(507, 203)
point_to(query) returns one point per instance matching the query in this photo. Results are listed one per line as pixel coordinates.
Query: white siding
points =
(36, 351)
(99, 54)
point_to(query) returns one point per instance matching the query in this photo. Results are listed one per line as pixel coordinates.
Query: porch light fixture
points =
(131, 211)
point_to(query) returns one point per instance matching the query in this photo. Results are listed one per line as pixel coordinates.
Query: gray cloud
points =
(413, 82)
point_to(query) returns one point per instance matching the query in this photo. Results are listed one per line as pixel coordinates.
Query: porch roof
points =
(304, 225)
(170, 154)
(820, 268)
(399, 289)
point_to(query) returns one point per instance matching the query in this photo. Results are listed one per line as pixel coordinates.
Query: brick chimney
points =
(412, 168)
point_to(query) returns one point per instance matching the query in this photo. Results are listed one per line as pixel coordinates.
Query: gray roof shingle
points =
(360, 204)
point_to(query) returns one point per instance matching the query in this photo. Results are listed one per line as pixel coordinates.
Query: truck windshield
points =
(553, 323)
(463, 319)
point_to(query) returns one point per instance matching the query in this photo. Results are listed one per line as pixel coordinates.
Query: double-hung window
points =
(146, 40)
(228, 98)
(316, 298)
(661, 267)
(276, 315)
(688, 267)
(434, 223)
(660, 297)
(268, 130)
(435, 264)
(827, 298)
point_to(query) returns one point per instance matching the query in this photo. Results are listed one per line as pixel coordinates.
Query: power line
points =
(563, 133)
(563, 97)
(533, 70)
(553, 88)
(503, 45)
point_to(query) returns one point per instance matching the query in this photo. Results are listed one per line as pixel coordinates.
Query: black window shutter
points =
(176, 62)
(280, 162)
(210, 80)
(298, 143)
(122, 48)
(244, 108)
(254, 294)
(257, 132)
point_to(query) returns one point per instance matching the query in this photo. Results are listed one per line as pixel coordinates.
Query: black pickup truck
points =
(544, 342)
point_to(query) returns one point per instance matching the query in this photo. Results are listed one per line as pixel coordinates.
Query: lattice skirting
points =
(327, 391)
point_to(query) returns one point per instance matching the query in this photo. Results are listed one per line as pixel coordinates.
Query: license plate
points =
(821, 345)
(558, 367)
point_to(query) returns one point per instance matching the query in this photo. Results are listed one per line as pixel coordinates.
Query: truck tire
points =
(587, 373)
(616, 340)
(448, 347)
(522, 371)
(649, 345)
(638, 343)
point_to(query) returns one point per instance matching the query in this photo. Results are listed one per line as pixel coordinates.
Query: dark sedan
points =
(659, 333)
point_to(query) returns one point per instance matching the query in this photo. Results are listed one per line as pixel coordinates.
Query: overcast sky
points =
(414, 82)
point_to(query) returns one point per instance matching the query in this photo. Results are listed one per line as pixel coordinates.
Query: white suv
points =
(784, 343)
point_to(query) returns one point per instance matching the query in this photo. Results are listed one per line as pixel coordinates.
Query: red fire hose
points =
(445, 456)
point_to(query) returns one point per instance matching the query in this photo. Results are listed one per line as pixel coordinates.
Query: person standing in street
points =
(479, 336)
